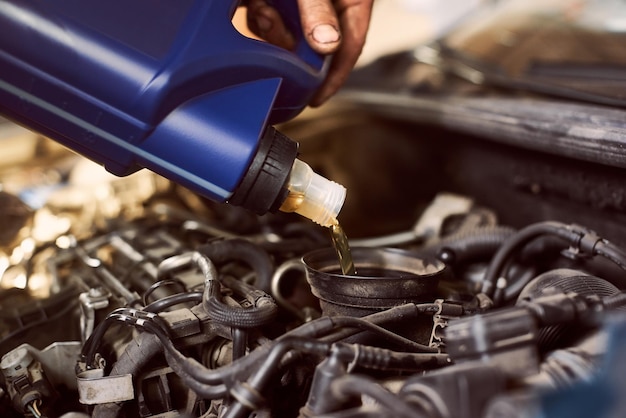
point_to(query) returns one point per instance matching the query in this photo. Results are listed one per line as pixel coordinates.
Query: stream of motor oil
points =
(340, 242)
(339, 238)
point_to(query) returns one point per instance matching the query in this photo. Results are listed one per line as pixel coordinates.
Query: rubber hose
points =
(518, 241)
(472, 244)
(136, 355)
(237, 317)
(241, 369)
(246, 252)
(233, 316)
(580, 238)
(258, 382)
(204, 390)
(211, 297)
(612, 253)
(141, 350)
(261, 313)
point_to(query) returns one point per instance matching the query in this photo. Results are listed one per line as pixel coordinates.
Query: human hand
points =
(336, 27)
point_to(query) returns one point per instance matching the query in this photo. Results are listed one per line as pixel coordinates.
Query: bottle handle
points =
(290, 13)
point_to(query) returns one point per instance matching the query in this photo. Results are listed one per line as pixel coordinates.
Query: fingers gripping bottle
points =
(168, 85)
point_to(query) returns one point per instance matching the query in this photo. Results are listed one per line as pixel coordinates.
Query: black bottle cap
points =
(263, 187)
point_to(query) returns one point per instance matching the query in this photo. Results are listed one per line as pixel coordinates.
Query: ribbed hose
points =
(237, 317)
(140, 351)
(262, 312)
(246, 252)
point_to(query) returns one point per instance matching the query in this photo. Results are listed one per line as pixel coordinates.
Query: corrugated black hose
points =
(262, 312)
(237, 249)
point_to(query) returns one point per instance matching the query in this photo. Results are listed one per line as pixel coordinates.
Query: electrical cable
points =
(580, 240)
(161, 283)
(371, 357)
(191, 366)
(512, 244)
(219, 311)
(181, 365)
(248, 396)
(212, 383)
(351, 322)
(33, 408)
(121, 315)
(187, 366)
(90, 347)
(173, 300)
(401, 312)
(314, 329)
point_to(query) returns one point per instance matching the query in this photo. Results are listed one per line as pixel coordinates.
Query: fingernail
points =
(325, 34)
(263, 23)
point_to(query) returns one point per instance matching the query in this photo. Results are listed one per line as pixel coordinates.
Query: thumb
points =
(320, 25)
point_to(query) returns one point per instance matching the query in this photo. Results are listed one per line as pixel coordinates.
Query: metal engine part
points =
(175, 313)
(489, 242)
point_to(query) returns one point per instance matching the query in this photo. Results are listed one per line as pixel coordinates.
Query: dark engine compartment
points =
(486, 219)
(177, 307)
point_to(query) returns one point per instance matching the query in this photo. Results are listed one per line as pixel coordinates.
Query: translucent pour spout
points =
(313, 196)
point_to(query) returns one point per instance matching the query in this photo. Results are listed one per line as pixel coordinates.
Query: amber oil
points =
(340, 243)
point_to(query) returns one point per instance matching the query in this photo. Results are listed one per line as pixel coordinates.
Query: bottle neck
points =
(313, 196)
(277, 180)
(264, 186)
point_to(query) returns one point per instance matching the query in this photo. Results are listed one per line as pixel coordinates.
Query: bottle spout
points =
(313, 196)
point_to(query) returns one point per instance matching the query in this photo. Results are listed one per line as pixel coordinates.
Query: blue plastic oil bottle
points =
(169, 85)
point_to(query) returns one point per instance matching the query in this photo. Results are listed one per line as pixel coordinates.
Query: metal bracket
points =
(94, 388)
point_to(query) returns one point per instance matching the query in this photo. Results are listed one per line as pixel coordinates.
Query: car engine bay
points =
(488, 237)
